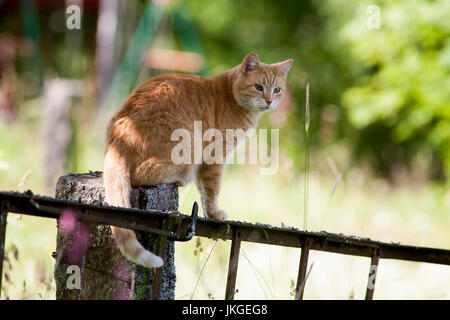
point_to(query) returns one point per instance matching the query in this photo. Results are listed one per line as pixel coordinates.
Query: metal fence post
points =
(372, 274)
(301, 280)
(233, 266)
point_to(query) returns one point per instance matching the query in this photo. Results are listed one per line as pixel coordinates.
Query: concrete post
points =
(91, 250)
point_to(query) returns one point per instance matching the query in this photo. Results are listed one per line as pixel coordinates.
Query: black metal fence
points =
(185, 227)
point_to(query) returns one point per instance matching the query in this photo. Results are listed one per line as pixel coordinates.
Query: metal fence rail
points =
(188, 226)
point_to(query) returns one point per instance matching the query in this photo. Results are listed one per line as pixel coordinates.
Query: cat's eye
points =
(276, 90)
(259, 87)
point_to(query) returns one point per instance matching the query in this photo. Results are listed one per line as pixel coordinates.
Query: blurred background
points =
(379, 137)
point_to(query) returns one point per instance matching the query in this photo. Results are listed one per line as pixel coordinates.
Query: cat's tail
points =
(117, 189)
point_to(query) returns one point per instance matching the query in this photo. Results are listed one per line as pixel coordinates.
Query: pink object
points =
(79, 245)
(121, 272)
(67, 221)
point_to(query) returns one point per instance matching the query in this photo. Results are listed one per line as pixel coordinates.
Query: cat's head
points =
(259, 86)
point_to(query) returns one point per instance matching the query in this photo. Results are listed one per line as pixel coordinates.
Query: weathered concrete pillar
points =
(105, 273)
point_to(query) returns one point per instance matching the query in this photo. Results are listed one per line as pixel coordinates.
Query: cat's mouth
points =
(268, 107)
(263, 106)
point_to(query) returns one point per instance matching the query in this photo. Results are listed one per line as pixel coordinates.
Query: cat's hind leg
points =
(153, 171)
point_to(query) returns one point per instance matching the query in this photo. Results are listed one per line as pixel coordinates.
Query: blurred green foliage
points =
(386, 91)
(400, 98)
(382, 93)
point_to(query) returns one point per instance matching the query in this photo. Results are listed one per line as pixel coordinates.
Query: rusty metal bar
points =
(82, 262)
(141, 220)
(158, 272)
(167, 224)
(301, 280)
(322, 241)
(372, 274)
(135, 219)
(233, 266)
(3, 221)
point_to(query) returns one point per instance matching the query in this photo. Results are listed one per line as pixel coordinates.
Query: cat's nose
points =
(268, 101)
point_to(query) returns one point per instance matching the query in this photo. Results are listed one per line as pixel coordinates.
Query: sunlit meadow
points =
(413, 212)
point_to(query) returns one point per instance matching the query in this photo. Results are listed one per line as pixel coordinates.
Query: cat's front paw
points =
(217, 214)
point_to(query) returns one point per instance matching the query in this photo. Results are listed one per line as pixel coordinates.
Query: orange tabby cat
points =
(139, 144)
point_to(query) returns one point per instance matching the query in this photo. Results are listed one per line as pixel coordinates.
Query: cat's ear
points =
(284, 67)
(250, 63)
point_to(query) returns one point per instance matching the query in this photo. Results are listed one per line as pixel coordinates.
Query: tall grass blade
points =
(306, 190)
(302, 285)
(203, 268)
(261, 276)
(329, 198)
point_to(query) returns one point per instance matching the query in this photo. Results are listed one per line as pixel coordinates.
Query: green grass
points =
(409, 216)
(360, 205)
